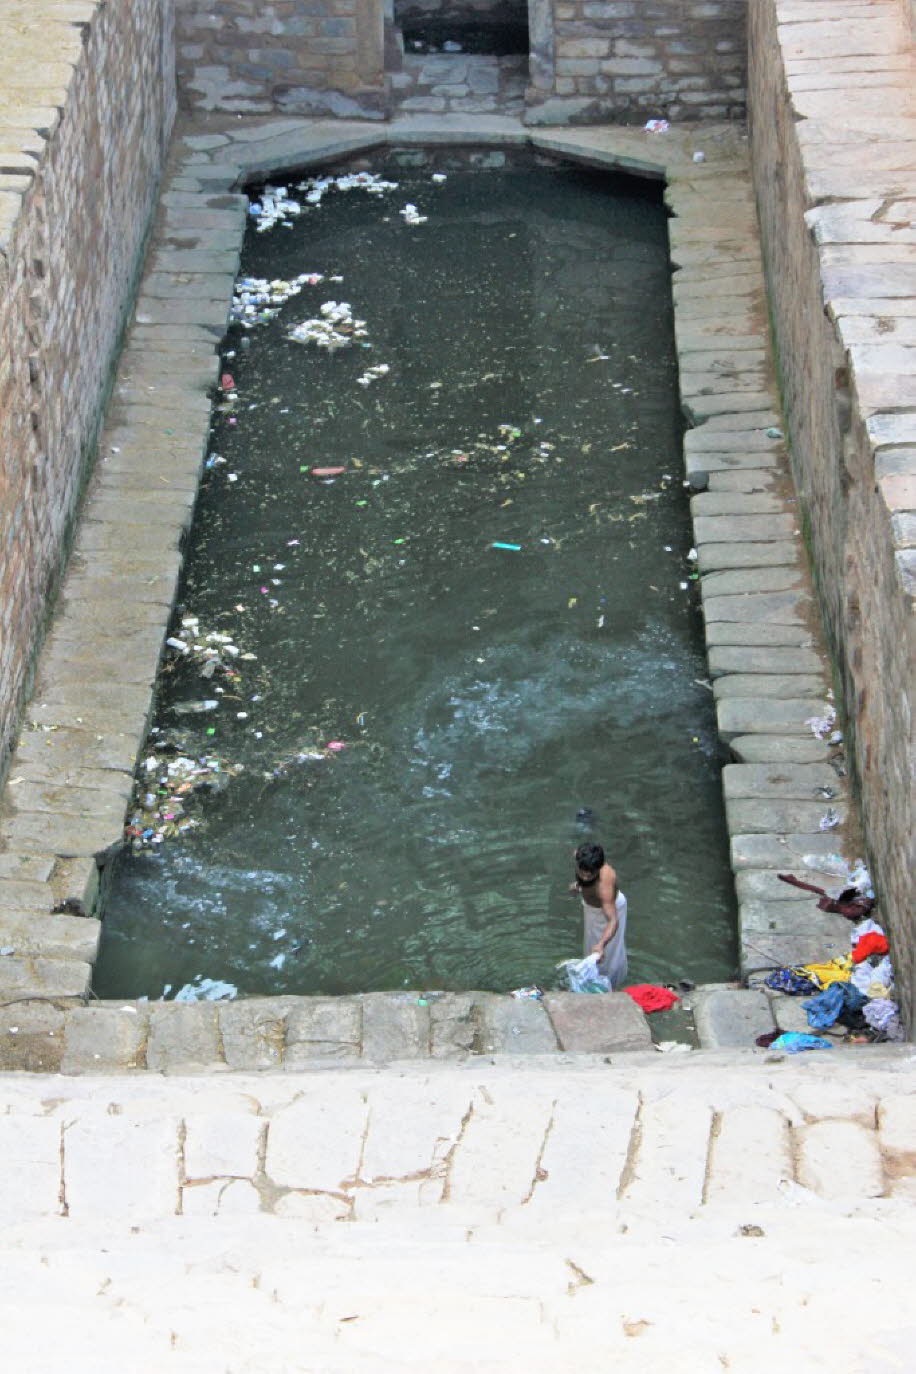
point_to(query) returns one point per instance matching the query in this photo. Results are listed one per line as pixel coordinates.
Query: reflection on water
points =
(484, 695)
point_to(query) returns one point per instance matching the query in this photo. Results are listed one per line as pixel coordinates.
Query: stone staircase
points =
(527, 1214)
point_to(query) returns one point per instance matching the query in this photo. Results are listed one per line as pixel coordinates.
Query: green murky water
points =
(484, 695)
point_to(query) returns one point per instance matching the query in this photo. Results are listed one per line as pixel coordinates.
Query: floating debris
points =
(258, 301)
(411, 215)
(333, 328)
(165, 784)
(372, 374)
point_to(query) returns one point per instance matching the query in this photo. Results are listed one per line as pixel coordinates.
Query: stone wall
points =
(305, 57)
(629, 60)
(88, 94)
(835, 249)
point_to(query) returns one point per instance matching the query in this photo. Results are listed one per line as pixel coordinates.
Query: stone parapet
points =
(88, 103)
(833, 123)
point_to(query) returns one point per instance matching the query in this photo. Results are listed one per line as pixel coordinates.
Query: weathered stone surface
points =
(840, 1159)
(757, 632)
(763, 659)
(253, 1033)
(672, 1153)
(797, 781)
(727, 1016)
(775, 608)
(780, 749)
(452, 1025)
(395, 1026)
(43, 977)
(779, 553)
(139, 1179)
(103, 1039)
(790, 852)
(766, 716)
(322, 1028)
(31, 1174)
(222, 1144)
(223, 1197)
(897, 1129)
(735, 686)
(183, 1037)
(315, 1143)
(31, 1036)
(750, 1156)
(508, 1026)
(745, 815)
(615, 1023)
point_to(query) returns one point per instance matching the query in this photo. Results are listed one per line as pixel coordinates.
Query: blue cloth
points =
(793, 1042)
(835, 1001)
(791, 981)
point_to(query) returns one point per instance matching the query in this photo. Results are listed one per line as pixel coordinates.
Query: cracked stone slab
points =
(777, 553)
(510, 1026)
(777, 817)
(777, 608)
(733, 686)
(581, 1026)
(797, 781)
(764, 660)
(779, 749)
(727, 1016)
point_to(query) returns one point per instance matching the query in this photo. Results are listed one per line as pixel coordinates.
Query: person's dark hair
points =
(589, 857)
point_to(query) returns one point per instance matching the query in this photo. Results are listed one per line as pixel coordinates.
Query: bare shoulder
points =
(608, 882)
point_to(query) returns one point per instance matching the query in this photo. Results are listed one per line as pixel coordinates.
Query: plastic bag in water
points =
(583, 976)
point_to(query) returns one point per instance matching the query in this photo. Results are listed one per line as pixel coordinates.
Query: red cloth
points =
(652, 998)
(872, 943)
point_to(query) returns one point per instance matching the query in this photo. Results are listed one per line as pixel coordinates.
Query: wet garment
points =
(652, 998)
(880, 977)
(613, 962)
(871, 943)
(834, 971)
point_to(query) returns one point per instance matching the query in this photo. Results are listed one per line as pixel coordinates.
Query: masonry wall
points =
(865, 590)
(88, 103)
(629, 60)
(304, 57)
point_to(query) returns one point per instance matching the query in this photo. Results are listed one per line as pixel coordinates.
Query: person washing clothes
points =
(604, 911)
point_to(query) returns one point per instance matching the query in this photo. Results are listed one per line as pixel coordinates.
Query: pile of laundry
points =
(855, 990)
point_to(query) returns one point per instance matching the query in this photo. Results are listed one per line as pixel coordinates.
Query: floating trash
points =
(411, 215)
(334, 327)
(167, 781)
(258, 301)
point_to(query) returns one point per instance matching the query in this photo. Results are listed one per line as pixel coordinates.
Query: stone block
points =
(40, 977)
(590, 1138)
(120, 1169)
(222, 1144)
(767, 716)
(669, 1169)
(597, 1025)
(322, 1028)
(395, 1026)
(30, 1177)
(758, 608)
(791, 780)
(253, 1033)
(452, 1025)
(751, 1154)
(29, 935)
(726, 529)
(764, 659)
(103, 1039)
(730, 1016)
(753, 632)
(733, 686)
(718, 557)
(183, 1037)
(508, 1026)
(495, 1163)
(746, 815)
(31, 1037)
(314, 1209)
(840, 1159)
(316, 1142)
(897, 1129)
(412, 1132)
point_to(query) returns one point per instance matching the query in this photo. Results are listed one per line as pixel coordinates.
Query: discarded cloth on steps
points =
(872, 943)
(791, 981)
(793, 1042)
(583, 976)
(839, 1002)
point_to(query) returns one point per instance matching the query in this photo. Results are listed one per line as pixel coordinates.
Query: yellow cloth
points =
(835, 971)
